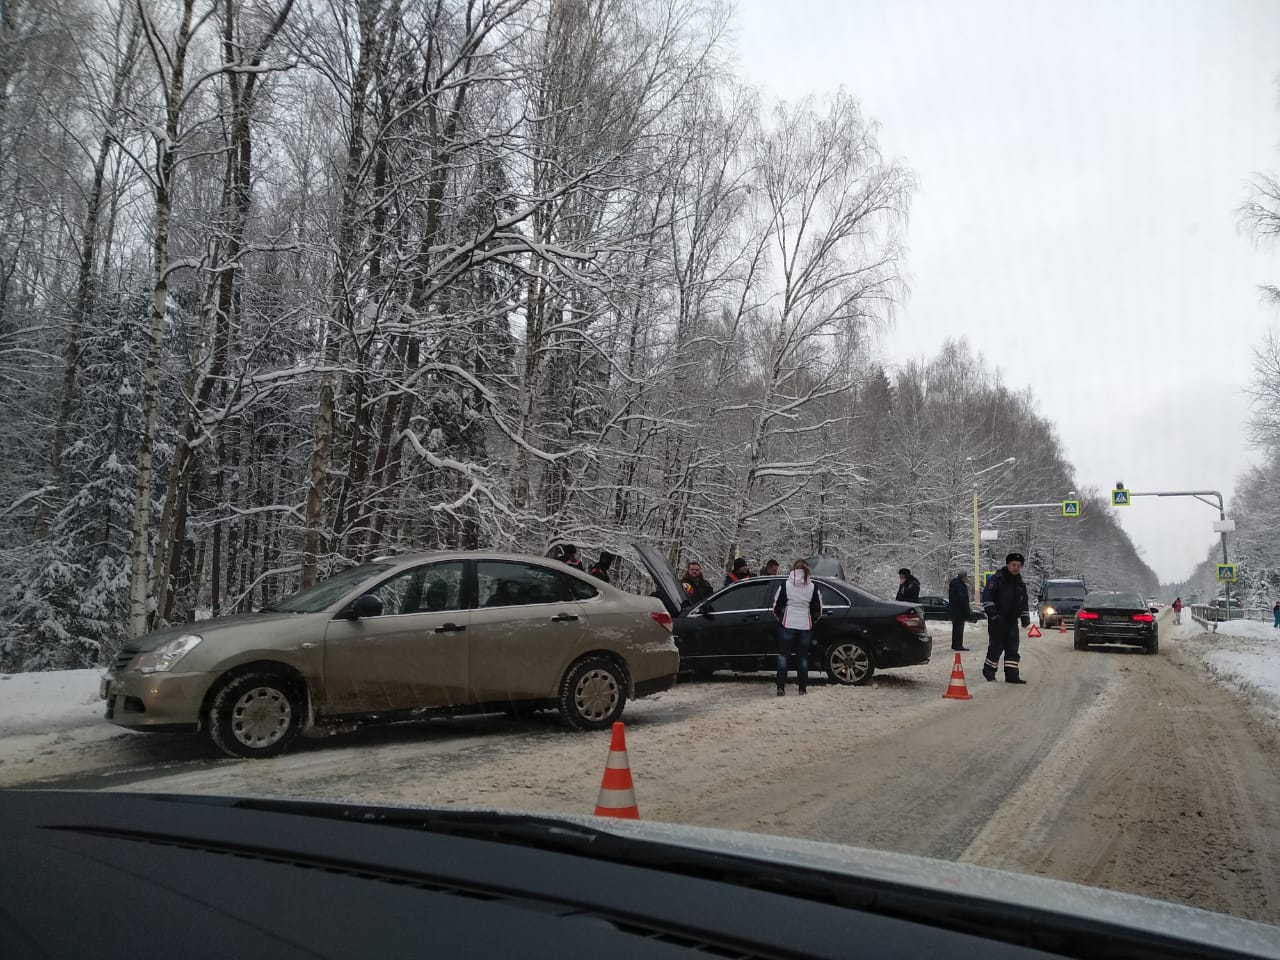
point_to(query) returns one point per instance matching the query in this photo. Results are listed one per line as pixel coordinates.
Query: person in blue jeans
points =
(797, 607)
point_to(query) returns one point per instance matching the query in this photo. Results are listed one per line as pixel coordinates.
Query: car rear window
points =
(1114, 601)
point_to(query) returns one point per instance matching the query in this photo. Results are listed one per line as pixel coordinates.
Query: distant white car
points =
(1154, 603)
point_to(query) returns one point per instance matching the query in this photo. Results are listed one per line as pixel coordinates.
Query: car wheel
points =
(592, 694)
(849, 663)
(255, 715)
(1153, 647)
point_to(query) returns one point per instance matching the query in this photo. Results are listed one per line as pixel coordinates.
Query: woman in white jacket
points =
(797, 607)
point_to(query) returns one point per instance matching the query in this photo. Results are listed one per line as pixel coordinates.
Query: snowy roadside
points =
(52, 724)
(44, 716)
(1243, 655)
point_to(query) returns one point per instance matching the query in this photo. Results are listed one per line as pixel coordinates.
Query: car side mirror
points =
(1155, 609)
(366, 605)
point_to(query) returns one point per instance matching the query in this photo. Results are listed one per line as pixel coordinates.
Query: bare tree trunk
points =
(339, 317)
(167, 148)
(237, 197)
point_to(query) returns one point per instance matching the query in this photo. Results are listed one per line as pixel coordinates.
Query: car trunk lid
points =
(664, 578)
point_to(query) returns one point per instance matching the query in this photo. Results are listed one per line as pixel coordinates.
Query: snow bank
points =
(1243, 655)
(42, 713)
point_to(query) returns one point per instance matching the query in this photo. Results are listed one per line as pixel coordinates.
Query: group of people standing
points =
(1005, 602)
(599, 569)
(797, 605)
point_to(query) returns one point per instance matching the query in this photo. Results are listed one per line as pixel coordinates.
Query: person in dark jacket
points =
(908, 587)
(1005, 600)
(569, 555)
(600, 569)
(739, 571)
(958, 607)
(696, 587)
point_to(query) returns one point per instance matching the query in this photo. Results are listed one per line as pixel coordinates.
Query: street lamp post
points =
(1007, 462)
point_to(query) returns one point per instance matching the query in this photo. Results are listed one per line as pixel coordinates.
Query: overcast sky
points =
(1081, 165)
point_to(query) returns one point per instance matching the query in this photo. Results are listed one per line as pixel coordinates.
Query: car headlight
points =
(166, 656)
(1048, 610)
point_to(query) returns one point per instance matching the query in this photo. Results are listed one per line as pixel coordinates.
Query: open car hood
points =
(664, 578)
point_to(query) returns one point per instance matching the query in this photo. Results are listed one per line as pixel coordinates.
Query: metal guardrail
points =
(1208, 613)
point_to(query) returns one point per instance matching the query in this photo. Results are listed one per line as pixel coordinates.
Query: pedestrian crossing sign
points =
(987, 575)
(1226, 573)
(1120, 497)
(1071, 508)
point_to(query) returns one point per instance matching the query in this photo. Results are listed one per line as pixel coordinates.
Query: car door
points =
(526, 628)
(413, 654)
(736, 627)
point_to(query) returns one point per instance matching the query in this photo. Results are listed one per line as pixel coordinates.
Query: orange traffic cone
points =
(617, 792)
(1062, 626)
(956, 690)
(1034, 631)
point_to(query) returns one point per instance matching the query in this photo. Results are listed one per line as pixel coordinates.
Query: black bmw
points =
(735, 628)
(1115, 616)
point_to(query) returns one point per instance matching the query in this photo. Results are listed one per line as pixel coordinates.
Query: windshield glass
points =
(328, 592)
(563, 331)
(1064, 591)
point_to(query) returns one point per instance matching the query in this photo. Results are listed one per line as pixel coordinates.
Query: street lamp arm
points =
(1197, 494)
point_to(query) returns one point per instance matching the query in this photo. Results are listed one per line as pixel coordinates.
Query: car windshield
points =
(328, 592)
(1064, 591)
(397, 395)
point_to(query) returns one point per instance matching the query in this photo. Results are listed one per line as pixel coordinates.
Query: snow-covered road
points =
(1112, 768)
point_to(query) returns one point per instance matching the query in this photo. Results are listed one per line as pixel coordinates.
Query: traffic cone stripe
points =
(617, 800)
(617, 792)
(615, 779)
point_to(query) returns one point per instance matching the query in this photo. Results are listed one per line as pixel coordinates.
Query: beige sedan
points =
(393, 640)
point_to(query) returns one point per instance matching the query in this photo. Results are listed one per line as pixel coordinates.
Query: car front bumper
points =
(155, 701)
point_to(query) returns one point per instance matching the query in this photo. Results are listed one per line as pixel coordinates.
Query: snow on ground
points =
(43, 713)
(1242, 654)
(54, 720)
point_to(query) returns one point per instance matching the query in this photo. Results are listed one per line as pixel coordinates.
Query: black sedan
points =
(1116, 616)
(938, 608)
(735, 629)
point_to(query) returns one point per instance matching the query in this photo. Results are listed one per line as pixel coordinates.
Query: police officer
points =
(1005, 600)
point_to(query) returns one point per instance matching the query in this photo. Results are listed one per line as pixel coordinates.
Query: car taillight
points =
(912, 621)
(662, 619)
(1086, 615)
(1143, 617)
